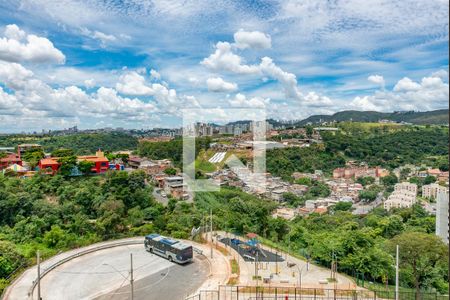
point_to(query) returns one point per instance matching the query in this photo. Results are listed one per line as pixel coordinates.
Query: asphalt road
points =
(158, 197)
(175, 282)
(105, 275)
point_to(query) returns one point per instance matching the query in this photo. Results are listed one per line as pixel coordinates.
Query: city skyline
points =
(136, 64)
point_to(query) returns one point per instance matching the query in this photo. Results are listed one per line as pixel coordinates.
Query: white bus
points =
(171, 249)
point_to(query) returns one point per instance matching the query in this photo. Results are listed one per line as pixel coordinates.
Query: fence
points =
(292, 293)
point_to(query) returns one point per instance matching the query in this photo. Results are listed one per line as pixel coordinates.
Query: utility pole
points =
(211, 227)
(276, 262)
(131, 276)
(289, 247)
(396, 273)
(39, 274)
(300, 279)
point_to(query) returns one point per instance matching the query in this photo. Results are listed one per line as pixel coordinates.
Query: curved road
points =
(104, 274)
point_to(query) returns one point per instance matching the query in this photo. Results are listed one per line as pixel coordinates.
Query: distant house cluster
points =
(13, 161)
(440, 175)
(359, 171)
(172, 185)
(404, 195)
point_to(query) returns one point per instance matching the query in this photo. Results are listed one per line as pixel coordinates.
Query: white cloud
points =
(134, 84)
(9, 104)
(405, 84)
(89, 83)
(32, 97)
(431, 93)
(155, 75)
(443, 74)
(217, 84)
(377, 79)
(13, 32)
(17, 46)
(288, 80)
(104, 38)
(241, 100)
(252, 39)
(223, 59)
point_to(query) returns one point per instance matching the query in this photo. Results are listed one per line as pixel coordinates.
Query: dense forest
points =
(386, 146)
(391, 149)
(80, 143)
(283, 162)
(53, 213)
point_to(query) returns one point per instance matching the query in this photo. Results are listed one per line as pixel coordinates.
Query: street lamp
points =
(300, 278)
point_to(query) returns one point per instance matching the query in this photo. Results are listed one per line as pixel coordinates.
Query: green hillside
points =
(428, 117)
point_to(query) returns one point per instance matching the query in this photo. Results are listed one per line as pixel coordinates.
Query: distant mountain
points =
(427, 117)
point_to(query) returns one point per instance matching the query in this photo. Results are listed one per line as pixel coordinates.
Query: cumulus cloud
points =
(134, 84)
(217, 84)
(240, 100)
(223, 59)
(377, 79)
(89, 83)
(405, 85)
(443, 74)
(288, 80)
(17, 46)
(9, 104)
(155, 75)
(252, 39)
(428, 94)
(32, 97)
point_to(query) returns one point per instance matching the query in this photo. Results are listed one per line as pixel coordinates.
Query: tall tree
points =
(422, 253)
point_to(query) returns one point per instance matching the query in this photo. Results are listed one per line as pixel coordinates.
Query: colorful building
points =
(50, 164)
(101, 163)
(9, 160)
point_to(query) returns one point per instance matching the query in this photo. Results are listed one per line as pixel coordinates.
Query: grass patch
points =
(222, 250)
(234, 266)
(204, 166)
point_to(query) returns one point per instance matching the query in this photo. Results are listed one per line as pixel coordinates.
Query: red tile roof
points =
(93, 158)
(49, 161)
(12, 157)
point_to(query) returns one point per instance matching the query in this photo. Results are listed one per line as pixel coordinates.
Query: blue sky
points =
(137, 64)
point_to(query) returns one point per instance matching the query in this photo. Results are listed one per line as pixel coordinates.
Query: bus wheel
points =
(170, 258)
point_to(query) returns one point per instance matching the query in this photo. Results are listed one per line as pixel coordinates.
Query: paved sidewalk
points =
(220, 268)
(311, 276)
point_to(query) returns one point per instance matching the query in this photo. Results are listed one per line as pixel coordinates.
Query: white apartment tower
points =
(442, 215)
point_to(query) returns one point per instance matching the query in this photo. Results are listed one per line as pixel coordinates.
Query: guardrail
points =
(78, 254)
